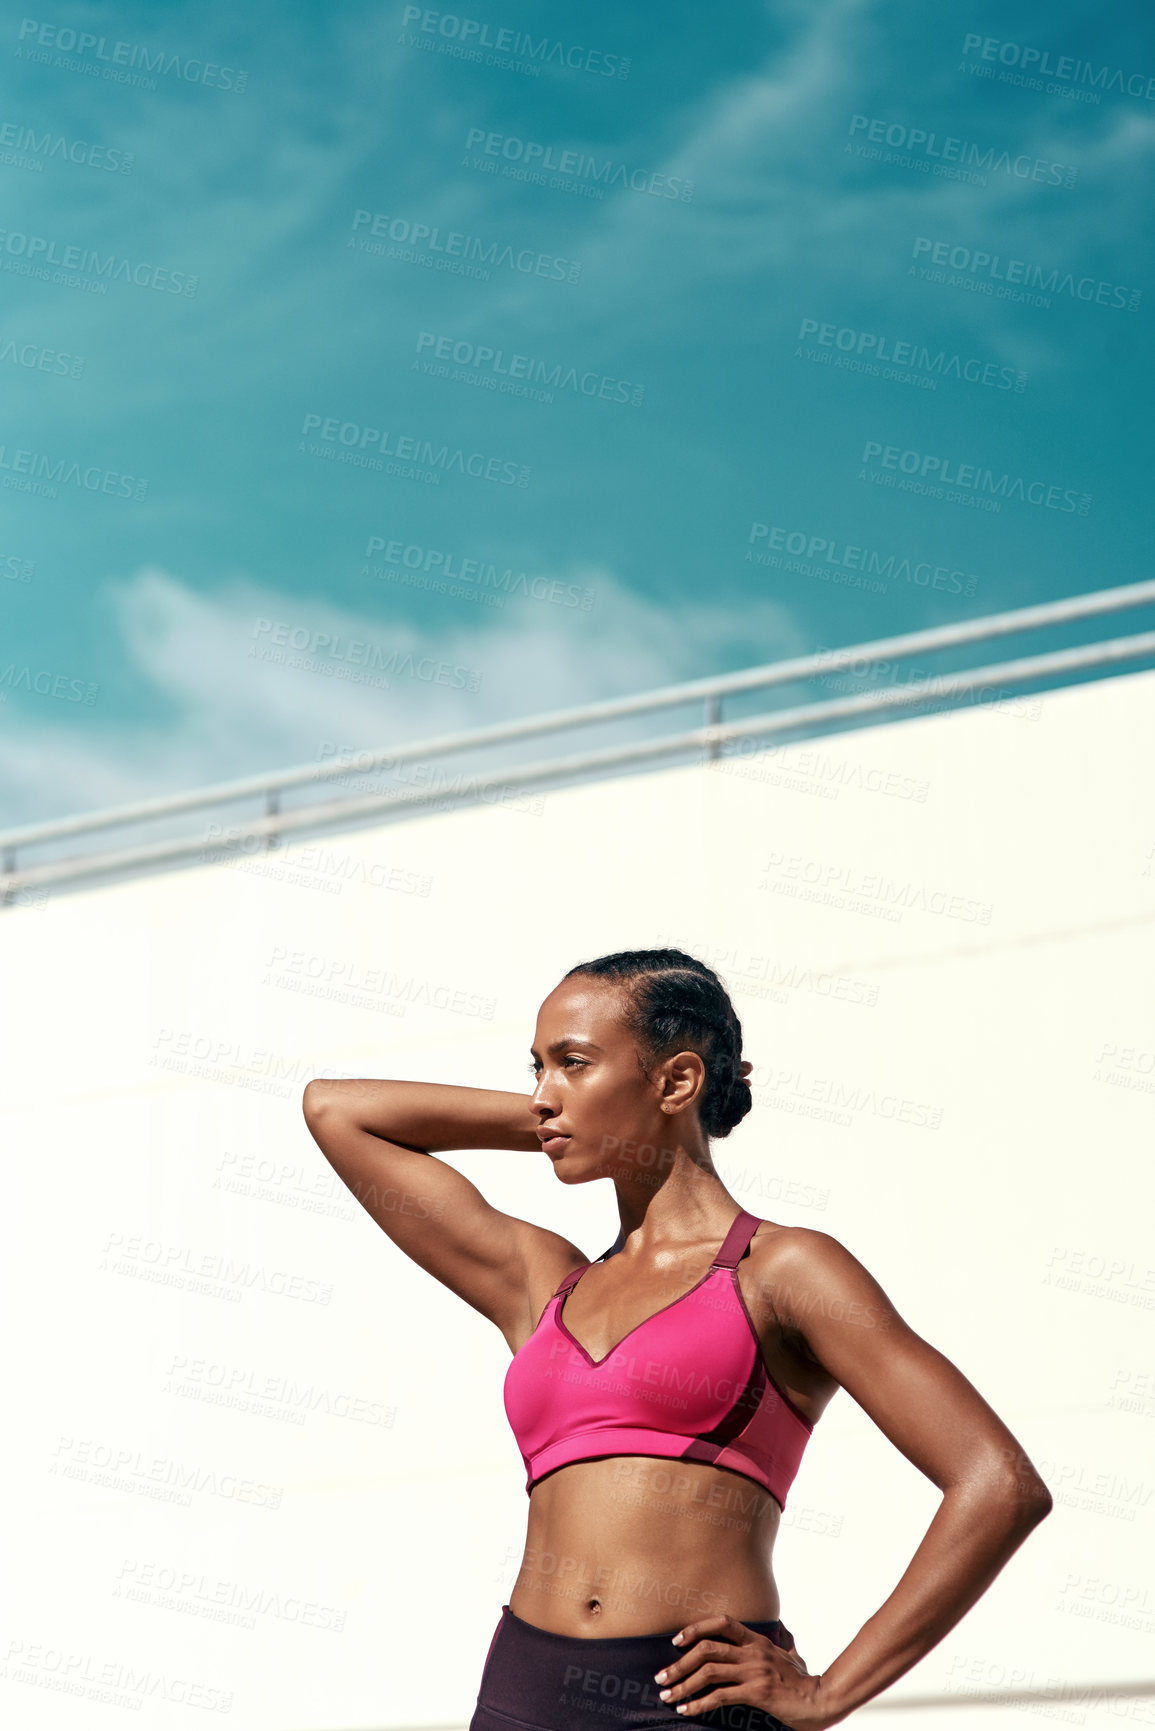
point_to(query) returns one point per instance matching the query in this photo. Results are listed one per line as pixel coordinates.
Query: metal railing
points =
(278, 820)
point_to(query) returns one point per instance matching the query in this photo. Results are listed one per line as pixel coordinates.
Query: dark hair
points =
(675, 1003)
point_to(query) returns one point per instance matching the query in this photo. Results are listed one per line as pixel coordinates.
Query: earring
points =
(667, 1108)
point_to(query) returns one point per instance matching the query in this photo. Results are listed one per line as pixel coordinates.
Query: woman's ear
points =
(687, 1073)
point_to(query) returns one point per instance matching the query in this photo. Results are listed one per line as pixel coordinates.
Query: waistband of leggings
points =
(773, 1628)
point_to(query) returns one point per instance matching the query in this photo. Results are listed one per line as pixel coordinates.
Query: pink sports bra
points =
(688, 1383)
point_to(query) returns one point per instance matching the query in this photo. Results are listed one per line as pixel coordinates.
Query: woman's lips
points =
(554, 1144)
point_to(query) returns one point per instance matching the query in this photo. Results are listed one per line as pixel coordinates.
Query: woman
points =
(662, 1396)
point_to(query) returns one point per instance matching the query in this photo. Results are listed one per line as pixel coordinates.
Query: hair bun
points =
(737, 1101)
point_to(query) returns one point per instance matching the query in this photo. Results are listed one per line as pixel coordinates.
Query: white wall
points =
(968, 981)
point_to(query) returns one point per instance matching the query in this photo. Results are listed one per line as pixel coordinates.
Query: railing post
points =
(272, 809)
(713, 719)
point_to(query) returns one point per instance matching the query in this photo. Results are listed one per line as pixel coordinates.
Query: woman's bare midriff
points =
(634, 1545)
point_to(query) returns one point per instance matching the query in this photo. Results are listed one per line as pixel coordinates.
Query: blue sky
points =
(775, 292)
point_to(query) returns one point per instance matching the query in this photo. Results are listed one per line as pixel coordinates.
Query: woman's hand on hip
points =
(735, 1664)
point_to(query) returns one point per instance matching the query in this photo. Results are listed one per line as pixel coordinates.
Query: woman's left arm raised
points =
(992, 1495)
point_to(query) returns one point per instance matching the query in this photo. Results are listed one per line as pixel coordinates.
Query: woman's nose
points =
(541, 1091)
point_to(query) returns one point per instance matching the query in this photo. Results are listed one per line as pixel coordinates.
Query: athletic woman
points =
(662, 1396)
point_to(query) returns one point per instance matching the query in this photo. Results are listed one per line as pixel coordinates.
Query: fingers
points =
(704, 1652)
(711, 1671)
(713, 1645)
(707, 1703)
(710, 1626)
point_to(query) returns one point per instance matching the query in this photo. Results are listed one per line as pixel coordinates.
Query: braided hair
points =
(675, 1003)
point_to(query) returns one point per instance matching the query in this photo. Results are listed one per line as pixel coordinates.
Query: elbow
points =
(1007, 1487)
(317, 1097)
(1025, 1498)
(1039, 1505)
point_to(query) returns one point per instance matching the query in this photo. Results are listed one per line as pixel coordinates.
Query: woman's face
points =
(590, 1088)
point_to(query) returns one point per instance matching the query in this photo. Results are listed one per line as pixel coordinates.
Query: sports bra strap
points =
(572, 1278)
(736, 1240)
(575, 1274)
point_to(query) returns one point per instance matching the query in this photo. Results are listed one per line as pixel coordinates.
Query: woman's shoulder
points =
(777, 1250)
(775, 1243)
(803, 1273)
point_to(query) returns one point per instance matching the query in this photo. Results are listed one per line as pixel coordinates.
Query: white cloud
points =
(233, 709)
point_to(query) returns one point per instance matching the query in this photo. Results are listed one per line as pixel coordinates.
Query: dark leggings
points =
(546, 1682)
